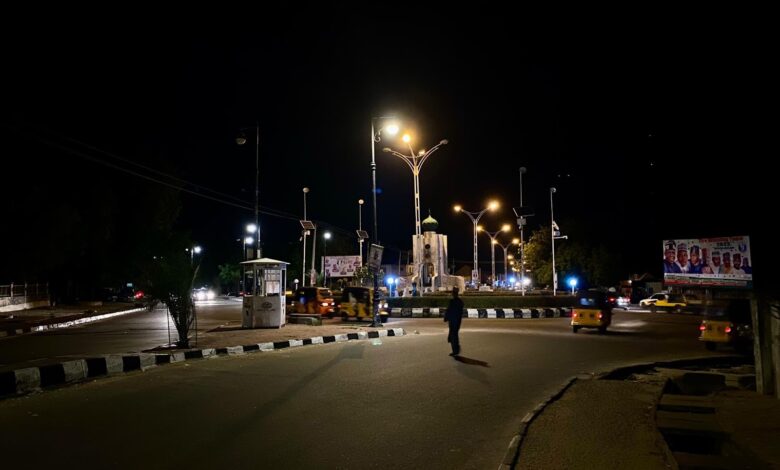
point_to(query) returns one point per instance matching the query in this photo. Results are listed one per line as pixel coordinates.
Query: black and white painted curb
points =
(65, 324)
(549, 312)
(31, 379)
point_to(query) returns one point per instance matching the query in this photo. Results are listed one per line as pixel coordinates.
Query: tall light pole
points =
(475, 216)
(415, 162)
(325, 237)
(376, 136)
(305, 233)
(247, 241)
(241, 140)
(521, 221)
(493, 243)
(553, 227)
(195, 250)
(555, 234)
(515, 241)
(360, 228)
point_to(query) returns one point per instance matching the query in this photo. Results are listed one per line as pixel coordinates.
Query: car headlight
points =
(200, 295)
(210, 295)
(324, 304)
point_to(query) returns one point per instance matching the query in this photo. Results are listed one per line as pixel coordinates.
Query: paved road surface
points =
(398, 403)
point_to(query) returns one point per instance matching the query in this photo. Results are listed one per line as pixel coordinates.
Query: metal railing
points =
(31, 292)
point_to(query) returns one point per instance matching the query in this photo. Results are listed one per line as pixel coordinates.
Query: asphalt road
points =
(133, 332)
(396, 403)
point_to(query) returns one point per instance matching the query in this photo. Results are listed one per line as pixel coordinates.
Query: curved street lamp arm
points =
(429, 152)
(403, 157)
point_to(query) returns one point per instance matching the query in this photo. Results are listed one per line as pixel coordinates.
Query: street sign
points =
(307, 224)
(375, 257)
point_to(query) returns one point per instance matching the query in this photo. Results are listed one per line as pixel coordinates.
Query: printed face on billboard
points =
(708, 262)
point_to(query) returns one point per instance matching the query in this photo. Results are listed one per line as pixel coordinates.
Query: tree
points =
(593, 263)
(538, 256)
(230, 275)
(169, 277)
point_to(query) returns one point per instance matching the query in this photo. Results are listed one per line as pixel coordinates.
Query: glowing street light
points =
(507, 257)
(493, 243)
(325, 237)
(415, 162)
(573, 284)
(475, 216)
(195, 250)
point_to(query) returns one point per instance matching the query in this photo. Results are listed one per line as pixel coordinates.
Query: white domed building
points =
(429, 268)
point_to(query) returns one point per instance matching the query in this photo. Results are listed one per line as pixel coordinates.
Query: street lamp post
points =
(241, 140)
(376, 136)
(475, 216)
(552, 241)
(415, 162)
(325, 237)
(360, 228)
(195, 250)
(247, 241)
(305, 233)
(515, 241)
(555, 234)
(573, 284)
(521, 220)
(493, 243)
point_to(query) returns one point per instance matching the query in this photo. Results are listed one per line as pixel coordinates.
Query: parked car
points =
(666, 301)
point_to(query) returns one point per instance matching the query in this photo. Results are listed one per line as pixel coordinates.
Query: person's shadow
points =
(471, 362)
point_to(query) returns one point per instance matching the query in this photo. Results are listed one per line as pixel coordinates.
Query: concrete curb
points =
(512, 454)
(435, 312)
(31, 379)
(66, 324)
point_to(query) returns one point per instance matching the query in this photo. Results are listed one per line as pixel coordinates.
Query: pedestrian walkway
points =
(664, 417)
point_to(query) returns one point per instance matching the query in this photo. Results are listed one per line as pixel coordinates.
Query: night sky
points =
(645, 137)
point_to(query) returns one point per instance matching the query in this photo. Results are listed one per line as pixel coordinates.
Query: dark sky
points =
(644, 133)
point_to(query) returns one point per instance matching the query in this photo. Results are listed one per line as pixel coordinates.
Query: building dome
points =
(430, 224)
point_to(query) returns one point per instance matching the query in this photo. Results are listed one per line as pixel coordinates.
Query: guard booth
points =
(264, 300)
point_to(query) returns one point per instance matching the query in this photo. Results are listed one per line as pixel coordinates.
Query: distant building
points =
(428, 272)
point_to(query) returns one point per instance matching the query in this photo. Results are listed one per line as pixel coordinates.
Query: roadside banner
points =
(341, 266)
(708, 262)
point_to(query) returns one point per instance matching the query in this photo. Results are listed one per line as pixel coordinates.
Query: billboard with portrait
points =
(341, 266)
(708, 262)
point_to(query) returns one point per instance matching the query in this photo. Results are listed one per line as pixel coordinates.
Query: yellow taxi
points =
(727, 323)
(664, 301)
(358, 303)
(315, 300)
(593, 310)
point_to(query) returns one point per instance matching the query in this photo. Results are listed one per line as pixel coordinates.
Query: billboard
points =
(708, 262)
(341, 266)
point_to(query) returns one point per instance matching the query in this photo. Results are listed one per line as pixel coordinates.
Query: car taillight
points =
(702, 327)
(139, 294)
(574, 315)
(601, 315)
(728, 329)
